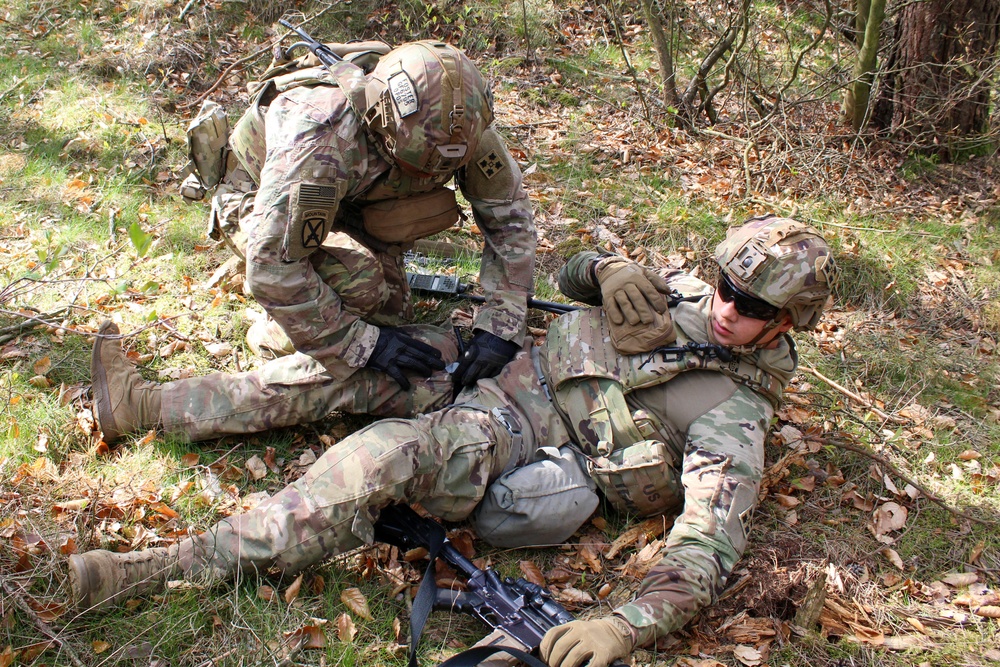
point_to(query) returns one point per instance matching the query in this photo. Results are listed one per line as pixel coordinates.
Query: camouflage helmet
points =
(430, 105)
(783, 262)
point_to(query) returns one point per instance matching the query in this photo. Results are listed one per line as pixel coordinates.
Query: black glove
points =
(396, 351)
(483, 358)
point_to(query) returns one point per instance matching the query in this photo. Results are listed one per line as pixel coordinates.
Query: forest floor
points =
(882, 488)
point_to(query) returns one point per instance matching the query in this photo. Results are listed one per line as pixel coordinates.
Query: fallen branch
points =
(864, 402)
(43, 627)
(881, 460)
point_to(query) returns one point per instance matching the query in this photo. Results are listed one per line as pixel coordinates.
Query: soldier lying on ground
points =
(663, 417)
(344, 171)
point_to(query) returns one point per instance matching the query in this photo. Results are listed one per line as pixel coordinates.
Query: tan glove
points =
(596, 643)
(635, 303)
(630, 292)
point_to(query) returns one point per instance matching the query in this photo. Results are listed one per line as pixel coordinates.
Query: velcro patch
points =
(404, 94)
(491, 164)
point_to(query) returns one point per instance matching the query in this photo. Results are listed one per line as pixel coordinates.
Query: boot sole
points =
(79, 582)
(99, 385)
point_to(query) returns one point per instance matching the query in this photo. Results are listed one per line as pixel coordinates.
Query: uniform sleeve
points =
(303, 179)
(493, 185)
(722, 470)
(576, 280)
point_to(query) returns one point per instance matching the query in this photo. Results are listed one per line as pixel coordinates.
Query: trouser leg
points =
(297, 389)
(443, 461)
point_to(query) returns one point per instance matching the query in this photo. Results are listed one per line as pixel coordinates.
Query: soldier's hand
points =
(595, 643)
(396, 353)
(630, 292)
(484, 357)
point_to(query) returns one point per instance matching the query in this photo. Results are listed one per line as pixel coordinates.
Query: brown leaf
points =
(969, 455)
(807, 483)
(559, 575)
(604, 591)
(889, 517)
(257, 468)
(747, 655)
(100, 646)
(70, 506)
(265, 593)
(893, 557)
(32, 651)
(68, 547)
(318, 585)
(462, 540)
(960, 579)
(7, 656)
(311, 635)
(345, 628)
(355, 600)
(987, 611)
(590, 558)
(575, 596)
(42, 366)
(40, 382)
(269, 460)
(190, 460)
(532, 572)
(787, 502)
(292, 591)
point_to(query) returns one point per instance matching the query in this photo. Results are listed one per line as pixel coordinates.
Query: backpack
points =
(209, 136)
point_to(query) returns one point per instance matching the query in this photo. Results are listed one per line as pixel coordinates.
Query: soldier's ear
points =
(784, 322)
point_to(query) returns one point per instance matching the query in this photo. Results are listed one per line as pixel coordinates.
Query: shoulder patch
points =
(311, 217)
(491, 164)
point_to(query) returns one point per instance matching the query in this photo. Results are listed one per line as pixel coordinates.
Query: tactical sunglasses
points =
(745, 304)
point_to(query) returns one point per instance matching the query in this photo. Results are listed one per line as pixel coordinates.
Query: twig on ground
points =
(294, 653)
(44, 627)
(854, 397)
(17, 84)
(186, 9)
(881, 460)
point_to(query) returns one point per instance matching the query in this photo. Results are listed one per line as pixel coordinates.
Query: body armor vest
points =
(589, 381)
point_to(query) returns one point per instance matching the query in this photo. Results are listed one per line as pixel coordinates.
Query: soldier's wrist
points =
(629, 633)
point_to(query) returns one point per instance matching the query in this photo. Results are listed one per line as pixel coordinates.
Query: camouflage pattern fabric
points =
(297, 389)
(319, 167)
(712, 427)
(444, 461)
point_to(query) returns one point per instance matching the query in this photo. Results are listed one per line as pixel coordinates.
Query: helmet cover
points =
(430, 105)
(781, 261)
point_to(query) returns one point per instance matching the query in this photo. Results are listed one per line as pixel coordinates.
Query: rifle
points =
(437, 283)
(516, 608)
(322, 51)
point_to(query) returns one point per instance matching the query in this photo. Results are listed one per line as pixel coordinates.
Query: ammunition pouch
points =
(641, 478)
(404, 220)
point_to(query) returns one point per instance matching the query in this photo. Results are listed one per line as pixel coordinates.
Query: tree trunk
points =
(870, 14)
(945, 57)
(664, 53)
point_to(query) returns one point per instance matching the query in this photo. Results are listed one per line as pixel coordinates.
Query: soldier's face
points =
(731, 328)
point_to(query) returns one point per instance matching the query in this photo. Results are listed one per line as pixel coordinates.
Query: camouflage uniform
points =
(709, 418)
(322, 165)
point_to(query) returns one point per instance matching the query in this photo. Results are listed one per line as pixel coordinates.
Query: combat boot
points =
(124, 403)
(102, 578)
